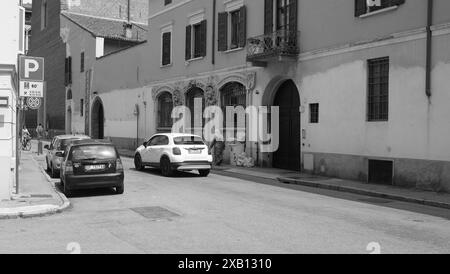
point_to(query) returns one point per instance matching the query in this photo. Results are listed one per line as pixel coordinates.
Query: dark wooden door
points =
(98, 120)
(288, 154)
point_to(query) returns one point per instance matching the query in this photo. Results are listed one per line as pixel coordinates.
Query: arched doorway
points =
(288, 100)
(98, 119)
(194, 95)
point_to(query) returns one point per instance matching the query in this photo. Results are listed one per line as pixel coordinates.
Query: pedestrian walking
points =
(40, 135)
(218, 147)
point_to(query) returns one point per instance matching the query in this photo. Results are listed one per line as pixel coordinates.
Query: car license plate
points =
(195, 151)
(94, 167)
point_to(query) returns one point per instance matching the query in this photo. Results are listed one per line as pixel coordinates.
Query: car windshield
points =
(188, 140)
(93, 152)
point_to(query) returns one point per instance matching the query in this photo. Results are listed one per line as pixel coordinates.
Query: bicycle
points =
(26, 144)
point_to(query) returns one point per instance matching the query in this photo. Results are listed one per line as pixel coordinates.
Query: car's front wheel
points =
(204, 172)
(166, 168)
(138, 162)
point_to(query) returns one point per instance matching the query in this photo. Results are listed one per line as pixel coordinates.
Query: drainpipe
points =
(213, 51)
(429, 48)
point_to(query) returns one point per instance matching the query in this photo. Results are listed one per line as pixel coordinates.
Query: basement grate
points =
(155, 213)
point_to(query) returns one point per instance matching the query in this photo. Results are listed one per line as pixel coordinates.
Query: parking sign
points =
(31, 73)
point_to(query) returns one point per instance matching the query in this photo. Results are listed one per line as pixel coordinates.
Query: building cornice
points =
(395, 38)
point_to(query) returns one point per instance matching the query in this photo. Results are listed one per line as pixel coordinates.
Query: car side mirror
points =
(60, 154)
(145, 144)
(47, 147)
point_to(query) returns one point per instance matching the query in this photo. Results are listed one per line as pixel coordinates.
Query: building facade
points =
(48, 42)
(88, 38)
(362, 91)
(13, 43)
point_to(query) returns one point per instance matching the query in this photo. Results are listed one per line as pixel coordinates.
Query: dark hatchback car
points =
(90, 164)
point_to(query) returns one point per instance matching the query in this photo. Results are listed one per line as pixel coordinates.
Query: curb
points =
(365, 192)
(66, 203)
(39, 210)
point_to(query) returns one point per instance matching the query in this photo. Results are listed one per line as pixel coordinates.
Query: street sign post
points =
(31, 86)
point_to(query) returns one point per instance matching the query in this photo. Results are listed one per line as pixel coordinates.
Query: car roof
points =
(75, 136)
(85, 142)
(174, 135)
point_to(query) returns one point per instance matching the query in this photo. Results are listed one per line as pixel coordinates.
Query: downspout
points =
(213, 51)
(429, 49)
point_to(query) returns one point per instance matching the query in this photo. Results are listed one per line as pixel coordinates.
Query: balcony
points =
(280, 45)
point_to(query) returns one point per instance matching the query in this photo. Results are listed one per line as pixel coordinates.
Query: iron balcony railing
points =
(279, 43)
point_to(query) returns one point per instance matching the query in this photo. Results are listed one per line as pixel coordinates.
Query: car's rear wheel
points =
(204, 172)
(53, 172)
(166, 168)
(120, 190)
(138, 162)
(67, 191)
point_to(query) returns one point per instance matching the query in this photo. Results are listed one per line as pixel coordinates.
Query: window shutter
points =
(66, 72)
(166, 48)
(188, 49)
(268, 16)
(243, 27)
(360, 7)
(70, 69)
(203, 38)
(293, 13)
(223, 31)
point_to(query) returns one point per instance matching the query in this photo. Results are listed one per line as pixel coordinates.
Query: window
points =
(284, 17)
(82, 62)
(167, 2)
(68, 71)
(196, 40)
(82, 107)
(69, 94)
(314, 113)
(166, 49)
(234, 95)
(165, 107)
(44, 14)
(362, 7)
(232, 28)
(378, 90)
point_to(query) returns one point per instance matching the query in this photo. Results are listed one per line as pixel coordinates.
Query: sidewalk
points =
(434, 199)
(37, 195)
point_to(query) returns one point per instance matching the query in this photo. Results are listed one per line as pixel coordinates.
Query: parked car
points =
(90, 164)
(55, 151)
(170, 152)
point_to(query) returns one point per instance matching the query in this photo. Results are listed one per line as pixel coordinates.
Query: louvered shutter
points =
(70, 69)
(223, 31)
(360, 7)
(203, 38)
(188, 52)
(268, 16)
(243, 27)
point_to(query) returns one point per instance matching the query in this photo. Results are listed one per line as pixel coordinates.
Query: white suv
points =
(170, 152)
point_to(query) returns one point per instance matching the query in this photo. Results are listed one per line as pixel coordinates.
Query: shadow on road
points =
(86, 193)
(176, 174)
